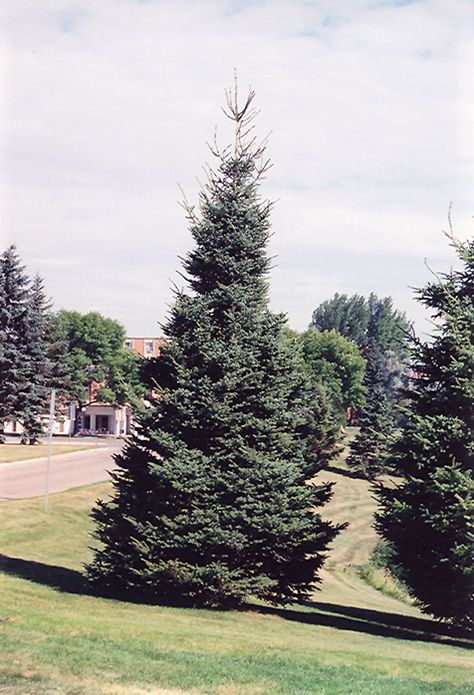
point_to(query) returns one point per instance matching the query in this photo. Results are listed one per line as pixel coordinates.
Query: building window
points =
(148, 347)
(129, 344)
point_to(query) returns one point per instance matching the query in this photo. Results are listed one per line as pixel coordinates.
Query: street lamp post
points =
(50, 442)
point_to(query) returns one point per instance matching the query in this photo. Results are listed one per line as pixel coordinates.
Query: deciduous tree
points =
(337, 364)
(94, 352)
(364, 320)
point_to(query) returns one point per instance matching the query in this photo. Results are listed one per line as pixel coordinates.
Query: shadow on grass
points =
(373, 622)
(61, 578)
(351, 618)
(73, 582)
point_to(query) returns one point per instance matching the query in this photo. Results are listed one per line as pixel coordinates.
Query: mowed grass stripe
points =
(58, 641)
(208, 650)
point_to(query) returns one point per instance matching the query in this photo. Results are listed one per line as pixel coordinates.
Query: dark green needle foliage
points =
(368, 451)
(428, 519)
(211, 500)
(27, 363)
(38, 362)
(14, 383)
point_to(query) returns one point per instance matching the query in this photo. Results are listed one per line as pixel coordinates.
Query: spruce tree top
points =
(14, 288)
(229, 262)
(445, 367)
(14, 292)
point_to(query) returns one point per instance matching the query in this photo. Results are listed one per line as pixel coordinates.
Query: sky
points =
(107, 106)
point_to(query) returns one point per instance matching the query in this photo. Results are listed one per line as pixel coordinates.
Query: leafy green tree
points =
(14, 285)
(337, 364)
(323, 428)
(211, 502)
(381, 333)
(428, 517)
(94, 352)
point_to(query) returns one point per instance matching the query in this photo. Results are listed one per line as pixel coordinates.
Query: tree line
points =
(214, 497)
(66, 350)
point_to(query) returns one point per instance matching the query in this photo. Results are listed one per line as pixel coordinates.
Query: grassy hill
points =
(352, 639)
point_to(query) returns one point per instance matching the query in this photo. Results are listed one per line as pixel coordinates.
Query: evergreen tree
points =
(368, 450)
(211, 501)
(38, 365)
(324, 432)
(349, 316)
(427, 519)
(14, 286)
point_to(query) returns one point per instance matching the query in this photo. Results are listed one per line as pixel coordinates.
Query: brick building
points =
(146, 347)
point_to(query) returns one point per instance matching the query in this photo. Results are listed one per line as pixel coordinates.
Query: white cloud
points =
(108, 105)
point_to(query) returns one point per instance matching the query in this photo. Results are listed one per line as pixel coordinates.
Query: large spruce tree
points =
(211, 499)
(428, 518)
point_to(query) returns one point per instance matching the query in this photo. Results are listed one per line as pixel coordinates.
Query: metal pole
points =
(50, 442)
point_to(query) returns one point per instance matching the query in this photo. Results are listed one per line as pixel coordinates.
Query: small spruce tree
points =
(211, 499)
(368, 451)
(427, 519)
(324, 432)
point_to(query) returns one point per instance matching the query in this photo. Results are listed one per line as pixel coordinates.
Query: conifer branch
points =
(187, 207)
(182, 275)
(462, 248)
(178, 291)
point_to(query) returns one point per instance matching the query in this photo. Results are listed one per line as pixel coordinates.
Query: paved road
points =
(27, 478)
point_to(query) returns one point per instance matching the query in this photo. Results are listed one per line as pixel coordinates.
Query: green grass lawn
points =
(21, 452)
(55, 638)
